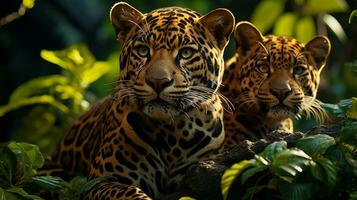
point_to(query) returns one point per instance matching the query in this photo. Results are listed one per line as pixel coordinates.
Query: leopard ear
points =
(220, 23)
(246, 36)
(319, 48)
(124, 17)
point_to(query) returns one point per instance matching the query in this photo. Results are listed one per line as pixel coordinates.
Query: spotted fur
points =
(165, 113)
(269, 80)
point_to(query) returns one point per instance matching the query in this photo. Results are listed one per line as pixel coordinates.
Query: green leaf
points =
(4, 195)
(273, 148)
(230, 175)
(352, 112)
(74, 59)
(349, 133)
(266, 13)
(43, 99)
(296, 191)
(21, 192)
(333, 109)
(37, 86)
(96, 71)
(325, 171)
(326, 6)
(29, 156)
(335, 26)
(8, 164)
(49, 182)
(336, 155)
(187, 198)
(315, 145)
(352, 15)
(285, 24)
(250, 172)
(249, 193)
(261, 161)
(353, 195)
(305, 29)
(287, 163)
(28, 3)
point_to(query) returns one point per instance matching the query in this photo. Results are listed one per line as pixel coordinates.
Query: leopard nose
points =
(281, 94)
(159, 84)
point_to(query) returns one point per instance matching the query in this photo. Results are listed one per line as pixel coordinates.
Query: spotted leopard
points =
(271, 79)
(164, 114)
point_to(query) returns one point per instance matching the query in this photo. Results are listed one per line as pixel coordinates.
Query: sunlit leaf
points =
(315, 145)
(285, 24)
(352, 15)
(187, 198)
(96, 71)
(21, 192)
(230, 175)
(28, 3)
(266, 13)
(74, 59)
(69, 92)
(352, 111)
(296, 191)
(326, 6)
(44, 99)
(335, 26)
(289, 162)
(305, 29)
(37, 86)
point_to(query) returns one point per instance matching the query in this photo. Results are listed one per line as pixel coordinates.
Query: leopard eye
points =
(143, 51)
(264, 69)
(186, 53)
(298, 70)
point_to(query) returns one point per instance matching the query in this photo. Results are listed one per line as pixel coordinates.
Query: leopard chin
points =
(280, 112)
(160, 109)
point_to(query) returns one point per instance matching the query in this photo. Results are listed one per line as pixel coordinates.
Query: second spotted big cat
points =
(271, 79)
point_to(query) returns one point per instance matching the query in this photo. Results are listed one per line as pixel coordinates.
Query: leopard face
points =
(277, 76)
(269, 80)
(171, 59)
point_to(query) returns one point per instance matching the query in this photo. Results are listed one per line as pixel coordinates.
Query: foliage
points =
(300, 23)
(56, 99)
(18, 166)
(353, 15)
(19, 162)
(318, 167)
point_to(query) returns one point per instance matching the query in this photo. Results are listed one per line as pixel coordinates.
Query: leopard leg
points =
(115, 191)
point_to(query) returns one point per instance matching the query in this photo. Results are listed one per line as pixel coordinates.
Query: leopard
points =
(165, 112)
(270, 80)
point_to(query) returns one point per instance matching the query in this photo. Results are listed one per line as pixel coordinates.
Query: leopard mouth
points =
(280, 112)
(159, 108)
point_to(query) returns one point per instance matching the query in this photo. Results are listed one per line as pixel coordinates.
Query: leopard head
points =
(279, 76)
(171, 59)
